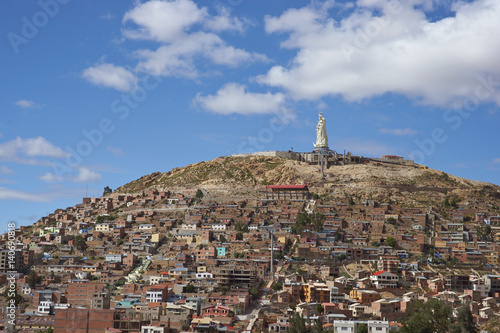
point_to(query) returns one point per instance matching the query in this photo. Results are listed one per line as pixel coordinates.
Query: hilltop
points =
(203, 231)
(407, 184)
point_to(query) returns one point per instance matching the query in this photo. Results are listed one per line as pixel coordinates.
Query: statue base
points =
(322, 150)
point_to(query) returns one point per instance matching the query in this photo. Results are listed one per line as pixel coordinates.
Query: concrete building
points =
(237, 276)
(77, 320)
(351, 326)
(80, 292)
(16, 260)
(153, 329)
(383, 279)
(100, 300)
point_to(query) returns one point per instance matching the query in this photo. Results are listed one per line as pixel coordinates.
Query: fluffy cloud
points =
(225, 22)
(26, 104)
(178, 58)
(5, 170)
(386, 46)
(187, 35)
(496, 160)
(233, 98)
(84, 175)
(398, 131)
(49, 177)
(163, 21)
(6, 194)
(111, 76)
(22, 150)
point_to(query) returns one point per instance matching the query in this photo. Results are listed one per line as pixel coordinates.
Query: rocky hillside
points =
(408, 184)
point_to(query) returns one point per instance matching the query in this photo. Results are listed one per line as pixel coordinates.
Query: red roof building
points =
(287, 192)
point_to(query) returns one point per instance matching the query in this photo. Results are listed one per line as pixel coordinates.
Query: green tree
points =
(318, 220)
(465, 321)
(432, 316)
(119, 242)
(199, 195)
(390, 241)
(254, 292)
(241, 227)
(446, 202)
(303, 220)
(319, 308)
(79, 242)
(318, 326)
(277, 285)
(32, 279)
(391, 220)
(190, 288)
(297, 324)
(362, 328)
(107, 190)
(342, 257)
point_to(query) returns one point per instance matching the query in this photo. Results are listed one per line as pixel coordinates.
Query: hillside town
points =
(181, 261)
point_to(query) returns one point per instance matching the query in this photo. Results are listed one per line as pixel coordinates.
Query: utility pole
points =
(272, 250)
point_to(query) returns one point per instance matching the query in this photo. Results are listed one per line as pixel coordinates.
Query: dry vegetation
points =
(409, 185)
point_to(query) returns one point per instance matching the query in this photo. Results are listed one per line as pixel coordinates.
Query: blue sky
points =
(99, 93)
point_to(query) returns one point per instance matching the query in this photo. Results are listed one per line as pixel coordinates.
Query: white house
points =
(384, 279)
(146, 226)
(152, 329)
(204, 276)
(218, 226)
(345, 326)
(378, 326)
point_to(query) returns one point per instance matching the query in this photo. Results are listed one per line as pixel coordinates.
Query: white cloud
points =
(26, 104)
(18, 149)
(387, 46)
(225, 22)
(49, 177)
(107, 16)
(496, 160)
(186, 37)
(115, 151)
(399, 131)
(5, 170)
(233, 98)
(177, 58)
(111, 76)
(10, 194)
(163, 21)
(86, 175)
(177, 25)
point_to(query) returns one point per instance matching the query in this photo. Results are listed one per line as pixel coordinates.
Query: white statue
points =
(321, 137)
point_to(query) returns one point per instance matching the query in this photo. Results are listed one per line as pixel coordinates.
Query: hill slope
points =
(409, 184)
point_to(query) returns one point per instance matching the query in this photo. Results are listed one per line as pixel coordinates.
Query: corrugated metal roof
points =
(288, 187)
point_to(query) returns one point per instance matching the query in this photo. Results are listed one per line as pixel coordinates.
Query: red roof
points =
(288, 187)
(378, 273)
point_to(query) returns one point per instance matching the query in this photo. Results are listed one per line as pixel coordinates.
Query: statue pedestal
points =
(323, 151)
